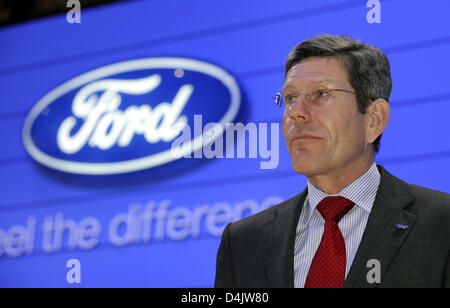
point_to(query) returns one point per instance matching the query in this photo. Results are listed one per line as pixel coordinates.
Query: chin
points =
(303, 163)
(305, 168)
(309, 166)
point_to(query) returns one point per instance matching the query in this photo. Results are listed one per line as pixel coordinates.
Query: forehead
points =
(316, 70)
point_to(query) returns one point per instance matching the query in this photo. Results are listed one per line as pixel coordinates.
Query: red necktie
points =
(328, 266)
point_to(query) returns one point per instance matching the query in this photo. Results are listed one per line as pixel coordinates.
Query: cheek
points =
(285, 125)
(351, 134)
(337, 128)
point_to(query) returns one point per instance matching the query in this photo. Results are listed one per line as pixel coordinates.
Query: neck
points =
(336, 180)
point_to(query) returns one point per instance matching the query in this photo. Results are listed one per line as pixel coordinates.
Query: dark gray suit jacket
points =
(258, 252)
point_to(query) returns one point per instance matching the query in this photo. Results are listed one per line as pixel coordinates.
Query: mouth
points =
(303, 137)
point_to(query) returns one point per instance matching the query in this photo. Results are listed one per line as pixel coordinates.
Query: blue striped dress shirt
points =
(311, 223)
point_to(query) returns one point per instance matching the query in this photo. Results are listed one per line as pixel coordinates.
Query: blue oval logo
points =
(123, 117)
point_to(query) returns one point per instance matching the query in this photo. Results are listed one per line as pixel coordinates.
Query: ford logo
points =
(123, 117)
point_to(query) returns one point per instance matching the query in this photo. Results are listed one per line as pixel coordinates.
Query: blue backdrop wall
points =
(48, 217)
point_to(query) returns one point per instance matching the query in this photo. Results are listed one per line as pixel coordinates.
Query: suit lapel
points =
(382, 239)
(280, 240)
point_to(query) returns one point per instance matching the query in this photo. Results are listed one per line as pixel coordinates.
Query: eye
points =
(290, 98)
(322, 93)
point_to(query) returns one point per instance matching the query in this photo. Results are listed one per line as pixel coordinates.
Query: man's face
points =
(323, 138)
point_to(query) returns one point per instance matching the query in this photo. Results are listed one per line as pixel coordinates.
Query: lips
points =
(303, 137)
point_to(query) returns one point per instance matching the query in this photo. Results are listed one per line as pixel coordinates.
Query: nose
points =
(299, 110)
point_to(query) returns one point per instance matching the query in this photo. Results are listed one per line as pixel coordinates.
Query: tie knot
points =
(334, 208)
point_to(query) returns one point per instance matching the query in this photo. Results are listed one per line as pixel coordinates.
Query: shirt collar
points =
(362, 191)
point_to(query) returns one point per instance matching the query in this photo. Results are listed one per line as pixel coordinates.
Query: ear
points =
(377, 116)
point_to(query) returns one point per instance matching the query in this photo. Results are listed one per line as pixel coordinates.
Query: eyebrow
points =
(314, 82)
(323, 81)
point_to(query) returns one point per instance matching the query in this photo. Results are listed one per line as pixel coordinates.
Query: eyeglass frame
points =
(279, 97)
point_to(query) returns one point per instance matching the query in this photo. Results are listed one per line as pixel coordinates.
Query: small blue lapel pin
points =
(401, 227)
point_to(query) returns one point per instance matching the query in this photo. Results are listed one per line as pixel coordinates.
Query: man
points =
(355, 225)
